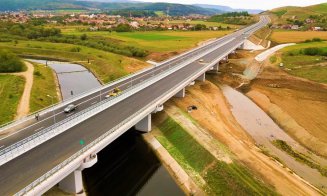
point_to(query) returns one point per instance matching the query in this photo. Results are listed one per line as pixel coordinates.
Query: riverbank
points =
(214, 176)
(296, 105)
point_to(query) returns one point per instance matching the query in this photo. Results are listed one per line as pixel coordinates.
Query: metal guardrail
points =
(96, 141)
(40, 137)
(94, 90)
(92, 144)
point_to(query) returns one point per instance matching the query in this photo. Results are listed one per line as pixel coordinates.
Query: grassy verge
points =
(305, 66)
(43, 85)
(105, 65)
(11, 90)
(220, 178)
(298, 156)
(273, 59)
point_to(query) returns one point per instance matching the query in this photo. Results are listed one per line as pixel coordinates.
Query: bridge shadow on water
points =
(129, 167)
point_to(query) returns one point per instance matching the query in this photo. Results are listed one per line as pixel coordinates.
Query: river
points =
(264, 130)
(128, 166)
(125, 167)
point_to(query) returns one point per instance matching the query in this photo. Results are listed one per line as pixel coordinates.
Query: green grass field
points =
(11, 90)
(154, 41)
(43, 84)
(309, 67)
(207, 23)
(150, 37)
(220, 178)
(105, 65)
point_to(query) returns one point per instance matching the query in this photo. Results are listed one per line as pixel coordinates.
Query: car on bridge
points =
(113, 93)
(70, 108)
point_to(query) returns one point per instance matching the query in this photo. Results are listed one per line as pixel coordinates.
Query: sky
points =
(247, 4)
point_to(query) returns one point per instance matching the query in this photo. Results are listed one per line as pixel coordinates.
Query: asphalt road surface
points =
(21, 171)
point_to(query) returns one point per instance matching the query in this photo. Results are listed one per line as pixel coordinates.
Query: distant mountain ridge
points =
(228, 9)
(174, 8)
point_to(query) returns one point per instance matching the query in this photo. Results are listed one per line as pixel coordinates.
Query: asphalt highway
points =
(28, 128)
(21, 171)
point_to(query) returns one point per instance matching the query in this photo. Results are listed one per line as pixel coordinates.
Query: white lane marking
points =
(38, 129)
(164, 65)
(30, 126)
(70, 114)
(94, 103)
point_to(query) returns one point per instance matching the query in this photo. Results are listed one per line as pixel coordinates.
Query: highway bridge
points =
(35, 154)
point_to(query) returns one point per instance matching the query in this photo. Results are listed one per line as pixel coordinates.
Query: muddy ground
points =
(297, 105)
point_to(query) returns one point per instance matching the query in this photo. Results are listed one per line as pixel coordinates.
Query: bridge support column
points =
(202, 77)
(159, 108)
(216, 67)
(144, 125)
(192, 83)
(73, 183)
(181, 93)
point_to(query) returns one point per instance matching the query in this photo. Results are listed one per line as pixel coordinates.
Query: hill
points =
(174, 9)
(228, 9)
(300, 12)
(304, 17)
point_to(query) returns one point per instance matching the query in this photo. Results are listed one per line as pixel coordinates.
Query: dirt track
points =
(24, 104)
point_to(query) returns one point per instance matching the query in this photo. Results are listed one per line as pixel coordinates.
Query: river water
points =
(264, 130)
(129, 167)
(74, 79)
(125, 167)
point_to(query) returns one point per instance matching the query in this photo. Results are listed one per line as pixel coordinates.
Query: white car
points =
(70, 108)
(201, 61)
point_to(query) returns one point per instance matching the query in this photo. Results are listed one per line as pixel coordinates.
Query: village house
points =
(295, 27)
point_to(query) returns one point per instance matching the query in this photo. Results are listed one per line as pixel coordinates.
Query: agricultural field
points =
(105, 65)
(220, 178)
(11, 90)
(207, 23)
(281, 36)
(155, 41)
(43, 84)
(312, 67)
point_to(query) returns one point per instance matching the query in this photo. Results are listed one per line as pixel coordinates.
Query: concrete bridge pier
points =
(192, 83)
(202, 77)
(215, 68)
(73, 183)
(159, 108)
(241, 46)
(144, 125)
(181, 93)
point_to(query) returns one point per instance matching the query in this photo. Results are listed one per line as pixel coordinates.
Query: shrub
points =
(83, 37)
(75, 49)
(312, 51)
(9, 62)
(37, 73)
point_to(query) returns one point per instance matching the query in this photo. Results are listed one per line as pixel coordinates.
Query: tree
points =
(199, 27)
(83, 37)
(123, 28)
(9, 62)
